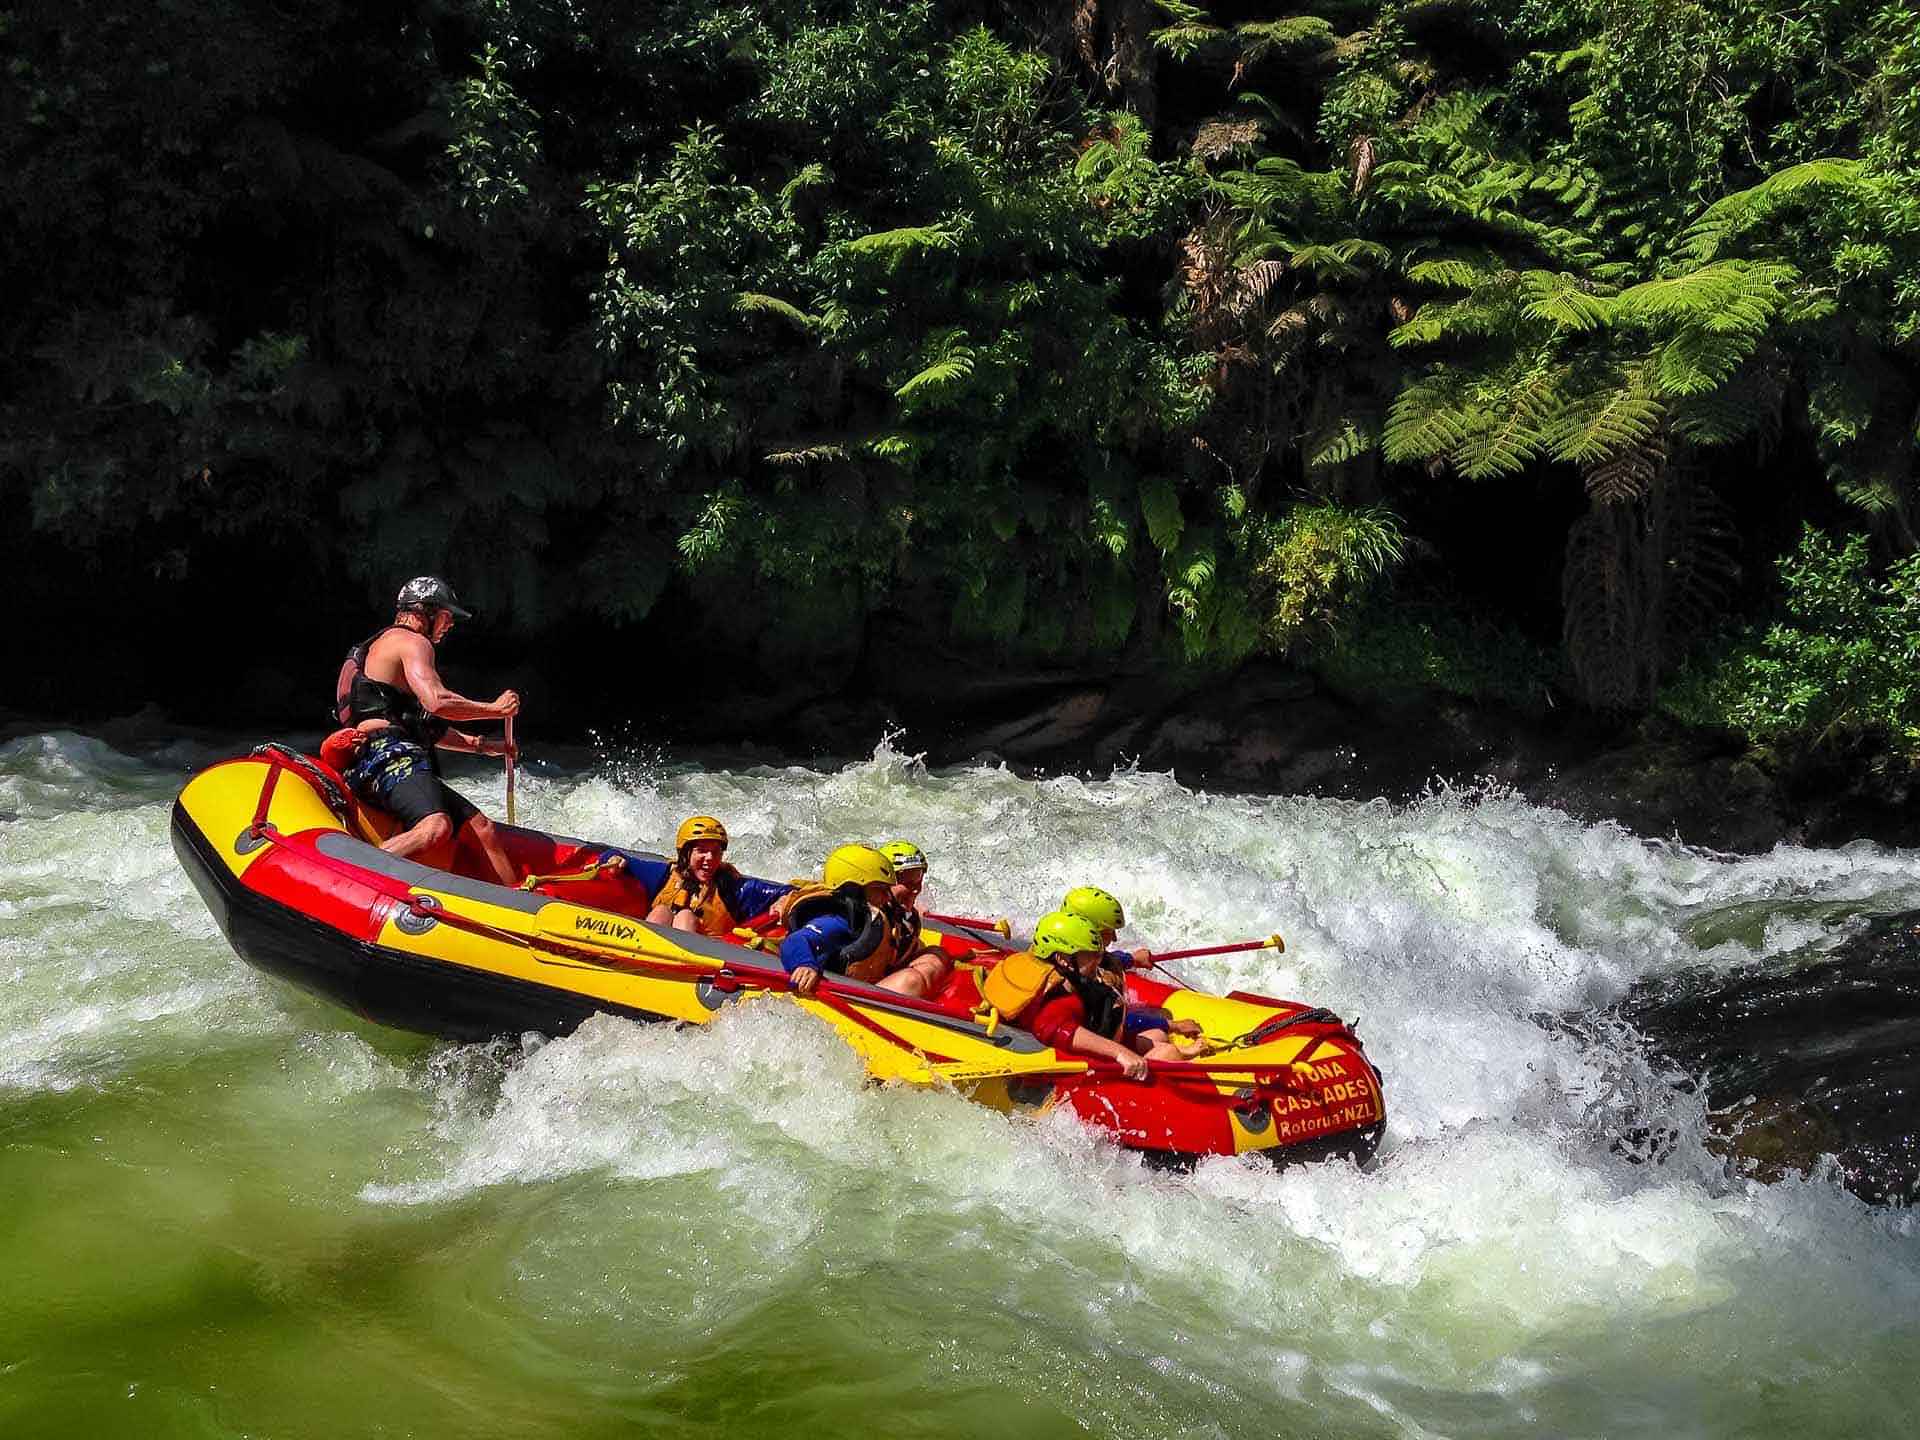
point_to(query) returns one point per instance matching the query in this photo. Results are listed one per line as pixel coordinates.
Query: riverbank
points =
(1267, 728)
(1273, 729)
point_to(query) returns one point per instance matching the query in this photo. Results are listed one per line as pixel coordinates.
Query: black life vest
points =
(358, 697)
(871, 952)
(1106, 1006)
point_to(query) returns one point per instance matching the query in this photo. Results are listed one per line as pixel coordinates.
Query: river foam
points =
(1544, 1245)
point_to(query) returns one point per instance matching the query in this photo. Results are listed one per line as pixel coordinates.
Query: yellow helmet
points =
(1095, 906)
(1064, 933)
(905, 856)
(700, 827)
(856, 865)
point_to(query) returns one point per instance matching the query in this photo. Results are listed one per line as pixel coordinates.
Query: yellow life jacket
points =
(677, 893)
(878, 945)
(1017, 981)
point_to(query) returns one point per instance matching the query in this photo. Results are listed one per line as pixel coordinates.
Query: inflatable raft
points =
(289, 867)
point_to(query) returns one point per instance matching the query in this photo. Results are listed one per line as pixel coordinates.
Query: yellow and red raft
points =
(289, 867)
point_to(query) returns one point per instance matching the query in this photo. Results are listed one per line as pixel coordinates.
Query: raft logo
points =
(606, 928)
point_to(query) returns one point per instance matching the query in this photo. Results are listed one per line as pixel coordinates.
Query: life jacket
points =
(1019, 980)
(1106, 1006)
(875, 947)
(356, 697)
(711, 912)
(1022, 979)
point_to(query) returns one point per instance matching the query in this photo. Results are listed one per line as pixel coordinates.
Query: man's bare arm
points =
(423, 679)
(460, 740)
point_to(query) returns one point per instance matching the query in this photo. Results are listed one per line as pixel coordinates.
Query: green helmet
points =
(1096, 907)
(905, 856)
(1063, 933)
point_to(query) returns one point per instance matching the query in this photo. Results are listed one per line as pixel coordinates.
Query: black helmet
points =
(430, 592)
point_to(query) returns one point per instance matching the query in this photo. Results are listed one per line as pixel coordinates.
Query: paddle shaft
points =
(510, 758)
(1272, 942)
(972, 922)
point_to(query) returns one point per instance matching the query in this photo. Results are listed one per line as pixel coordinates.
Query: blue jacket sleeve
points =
(750, 897)
(650, 873)
(815, 945)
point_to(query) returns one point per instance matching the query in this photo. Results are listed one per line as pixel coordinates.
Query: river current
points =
(229, 1209)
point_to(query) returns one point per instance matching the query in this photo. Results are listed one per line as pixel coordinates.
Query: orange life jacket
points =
(678, 892)
(1022, 978)
(1017, 981)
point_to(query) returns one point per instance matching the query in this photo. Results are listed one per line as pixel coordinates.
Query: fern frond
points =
(1186, 39)
(1511, 429)
(1473, 317)
(751, 302)
(1453, 272)
(1729, 296)
(1697, 362)
(956, 365)
(903, 241)
(1563, 301)
(806, 454)
(1428, 418)
(1604, 420)
(1347, 440)
(1727, 412)
(898, 446)
(1732, 214)
(1294, 34)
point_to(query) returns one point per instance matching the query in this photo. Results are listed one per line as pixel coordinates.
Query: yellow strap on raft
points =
(534, 882)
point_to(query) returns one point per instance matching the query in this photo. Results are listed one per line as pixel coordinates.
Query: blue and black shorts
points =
(396, 775)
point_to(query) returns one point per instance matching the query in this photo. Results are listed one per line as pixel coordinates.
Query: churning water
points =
(226, 1208)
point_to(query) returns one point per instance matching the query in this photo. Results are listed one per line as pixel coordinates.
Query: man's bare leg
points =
(430, 834)
(920, 978)
(488, 839)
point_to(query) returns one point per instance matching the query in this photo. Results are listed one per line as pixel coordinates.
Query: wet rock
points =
(1820, 1060)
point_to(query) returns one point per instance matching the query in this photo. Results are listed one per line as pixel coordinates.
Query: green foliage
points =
(1393, 649)
(611, 304)
(1837, 669)
(1317, 561)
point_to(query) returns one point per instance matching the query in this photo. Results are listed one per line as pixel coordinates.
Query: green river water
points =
(227, 1209)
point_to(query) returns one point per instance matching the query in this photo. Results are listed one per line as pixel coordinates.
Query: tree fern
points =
(952, 361)
(750, 302)
(1564, 301)
(1605, 418)
(806, 454)
(1698, 362)
(1734, 214)
(1190, 32)
(895, 244)
(1346, 440)
(1429, 417)
(1294, 35)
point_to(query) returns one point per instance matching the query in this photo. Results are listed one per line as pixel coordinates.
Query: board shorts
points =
(1144, 1017)
(397, 775)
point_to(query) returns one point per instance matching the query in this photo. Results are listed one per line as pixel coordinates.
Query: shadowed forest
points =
(1549, 352)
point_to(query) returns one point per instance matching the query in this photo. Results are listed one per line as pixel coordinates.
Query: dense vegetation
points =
(1057, 332)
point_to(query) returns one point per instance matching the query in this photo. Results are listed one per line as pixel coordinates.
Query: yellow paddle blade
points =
(604, 930)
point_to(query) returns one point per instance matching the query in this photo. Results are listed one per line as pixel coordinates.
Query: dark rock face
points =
(1270, 728)
(1820, 1060)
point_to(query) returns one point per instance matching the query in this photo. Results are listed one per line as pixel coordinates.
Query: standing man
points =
(390, 691)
